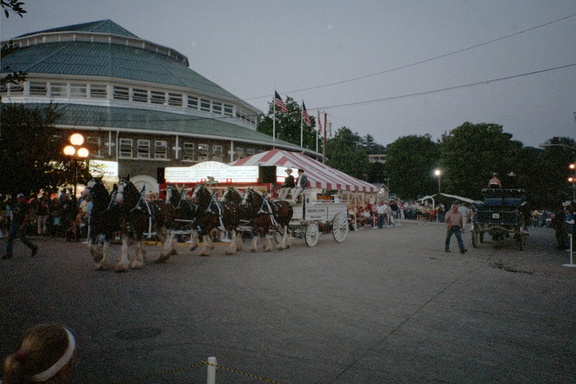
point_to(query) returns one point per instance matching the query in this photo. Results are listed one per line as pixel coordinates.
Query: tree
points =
(472, 152)
(8, 48)
(409, 164)
(372, 148)
(13, 6)
(31, 150)
(346, 153)
(376, 173)
(288, 125)
(549, 185)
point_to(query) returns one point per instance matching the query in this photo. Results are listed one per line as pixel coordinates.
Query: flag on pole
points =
(279, 103)
(305, 115)
(319, 124)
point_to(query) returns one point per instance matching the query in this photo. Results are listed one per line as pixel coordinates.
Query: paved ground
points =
(385, 306)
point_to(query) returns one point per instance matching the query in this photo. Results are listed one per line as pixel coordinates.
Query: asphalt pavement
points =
(384, 306)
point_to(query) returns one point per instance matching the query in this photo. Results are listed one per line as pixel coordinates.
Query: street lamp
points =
(76, 151)
(572, 180)
(438, 174)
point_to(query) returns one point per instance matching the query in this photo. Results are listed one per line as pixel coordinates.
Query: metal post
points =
(75, 159)
(211, 375)
(571, 253)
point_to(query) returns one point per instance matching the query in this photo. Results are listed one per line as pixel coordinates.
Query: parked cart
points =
(500, 216)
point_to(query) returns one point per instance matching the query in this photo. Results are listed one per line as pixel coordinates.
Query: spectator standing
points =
(42, 214)
(454, 225)
(20, 216)
(559, 225)
(569, 220)
(381, 212)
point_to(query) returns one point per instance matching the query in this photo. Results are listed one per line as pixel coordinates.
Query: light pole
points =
(438, 174)
(76, 151)
(572, 180)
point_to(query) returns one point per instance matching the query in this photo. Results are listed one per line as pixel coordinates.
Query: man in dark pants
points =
(453, 221)
(20, 216)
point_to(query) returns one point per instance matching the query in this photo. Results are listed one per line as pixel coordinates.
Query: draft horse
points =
(102, 222)
(215, 215)
(265, 215)
(144, 216)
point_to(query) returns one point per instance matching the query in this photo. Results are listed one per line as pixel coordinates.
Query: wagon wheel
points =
(475, 237)
(521, 241)
(521, 238)
(312, 234)
(340, 227)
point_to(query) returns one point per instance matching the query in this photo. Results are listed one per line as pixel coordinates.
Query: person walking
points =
(453, 221)
(20, 216)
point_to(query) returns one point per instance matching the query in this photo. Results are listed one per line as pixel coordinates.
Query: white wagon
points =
(313, 217)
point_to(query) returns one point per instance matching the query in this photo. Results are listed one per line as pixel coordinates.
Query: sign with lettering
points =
(212, 171)
(103, 168)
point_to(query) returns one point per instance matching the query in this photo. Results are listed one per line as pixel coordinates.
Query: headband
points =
(53, 370)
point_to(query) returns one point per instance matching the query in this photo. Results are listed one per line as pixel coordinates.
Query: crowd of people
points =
(385, 213)
(43, 215)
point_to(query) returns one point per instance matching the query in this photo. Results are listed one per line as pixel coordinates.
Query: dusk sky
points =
(378, 67)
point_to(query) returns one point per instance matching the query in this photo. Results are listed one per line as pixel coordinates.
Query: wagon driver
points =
(494, 182)
(301, 185)
(287, 186)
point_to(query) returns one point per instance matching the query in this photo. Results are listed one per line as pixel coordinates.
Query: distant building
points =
(379, 158)
(138, 103)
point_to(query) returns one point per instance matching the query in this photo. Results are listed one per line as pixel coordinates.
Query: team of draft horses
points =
(126, 210)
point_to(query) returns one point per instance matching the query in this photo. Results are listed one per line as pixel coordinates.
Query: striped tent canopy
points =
(319, 175)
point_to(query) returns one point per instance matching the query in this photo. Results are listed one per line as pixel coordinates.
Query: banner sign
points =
(212, 171)
(103, 168)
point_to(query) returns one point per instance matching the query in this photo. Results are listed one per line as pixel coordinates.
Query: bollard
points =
(211, 376)
(571, 253)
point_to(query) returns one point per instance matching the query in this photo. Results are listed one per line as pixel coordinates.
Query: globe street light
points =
(438, 174)
(76, 151)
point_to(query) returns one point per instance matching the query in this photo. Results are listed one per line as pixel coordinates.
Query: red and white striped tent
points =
(319, 175)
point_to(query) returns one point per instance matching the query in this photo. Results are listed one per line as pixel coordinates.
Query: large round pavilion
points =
(138, 103)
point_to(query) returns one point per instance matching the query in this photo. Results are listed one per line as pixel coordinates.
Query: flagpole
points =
(302, 125)
(324, 142)
(274, 117)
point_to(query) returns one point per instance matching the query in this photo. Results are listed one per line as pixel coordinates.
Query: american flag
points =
(319, 124)
(305, 115)
(279, 103)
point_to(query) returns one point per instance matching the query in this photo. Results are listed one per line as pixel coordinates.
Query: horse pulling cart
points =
(312, 218)
(499, 215)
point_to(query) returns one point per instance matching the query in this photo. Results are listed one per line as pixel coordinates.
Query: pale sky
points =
(379, 67)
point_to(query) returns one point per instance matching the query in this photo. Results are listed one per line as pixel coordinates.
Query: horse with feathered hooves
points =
(102, 222)
(233, 196)
(164, 218)
(215, 215)
(265, 215)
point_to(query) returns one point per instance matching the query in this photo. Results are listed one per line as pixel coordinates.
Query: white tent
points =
(435, 197)
(319, 175)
